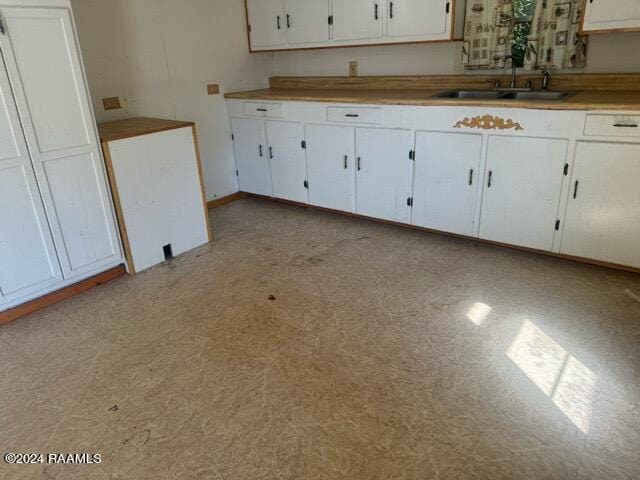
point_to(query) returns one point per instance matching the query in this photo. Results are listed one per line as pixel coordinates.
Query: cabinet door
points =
(267, 23)
(383, 173)
(307, 21)
(331, 166)
(445, 181)
(286, 160)
(250, 147)
(611, 15)
(357, 19)
(28, 260)
(408, 18)
(522, 190)
(604, 204)
(58, 122)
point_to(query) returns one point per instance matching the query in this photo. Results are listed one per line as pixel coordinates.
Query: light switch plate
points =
(111, 103)
(213, 89)
(353, 69)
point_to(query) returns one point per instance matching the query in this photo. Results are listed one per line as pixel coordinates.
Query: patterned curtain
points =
(487, 34)
(555, 41)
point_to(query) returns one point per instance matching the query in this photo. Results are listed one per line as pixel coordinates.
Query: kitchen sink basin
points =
(472, 94)
(537, 95)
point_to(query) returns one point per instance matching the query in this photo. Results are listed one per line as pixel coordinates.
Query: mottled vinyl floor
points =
(305, 345)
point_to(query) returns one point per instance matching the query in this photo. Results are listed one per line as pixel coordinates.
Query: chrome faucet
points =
(512, 83)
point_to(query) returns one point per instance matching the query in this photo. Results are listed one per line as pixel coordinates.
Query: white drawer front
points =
(263, 109)
(354, 115)
(612, 125)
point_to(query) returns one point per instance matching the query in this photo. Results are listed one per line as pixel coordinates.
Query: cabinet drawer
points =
(354, 115)
(263, 109)
(613, 125)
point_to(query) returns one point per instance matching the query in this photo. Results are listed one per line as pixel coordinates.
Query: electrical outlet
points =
(353, 69)
(111, 103)
(213, 89)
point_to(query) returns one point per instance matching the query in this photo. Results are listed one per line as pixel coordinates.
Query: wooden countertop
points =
(134, 127)
(584, 100)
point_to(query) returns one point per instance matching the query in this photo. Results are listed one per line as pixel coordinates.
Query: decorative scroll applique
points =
(488, 122)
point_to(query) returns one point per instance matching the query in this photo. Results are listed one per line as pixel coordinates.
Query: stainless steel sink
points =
(538, 95)
(472, 94)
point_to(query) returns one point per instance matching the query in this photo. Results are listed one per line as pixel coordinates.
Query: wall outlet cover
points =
(111, 103)
(353, 69)
(213, 89)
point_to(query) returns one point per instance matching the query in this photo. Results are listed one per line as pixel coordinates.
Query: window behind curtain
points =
(522, 16)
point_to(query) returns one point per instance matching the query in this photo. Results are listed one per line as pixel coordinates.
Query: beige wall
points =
(613, 53)
(159, 55)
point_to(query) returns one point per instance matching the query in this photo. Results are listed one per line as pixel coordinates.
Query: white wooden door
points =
(611, 14)
(250, 147)
(408, 18)
(445, 181)
(28, 260)
(267, 23)
(383, 173)
(331, 166)
(286, 160)
(48, 82)
(307, 21)
(522, 190)
(357, 19)
(603, 213)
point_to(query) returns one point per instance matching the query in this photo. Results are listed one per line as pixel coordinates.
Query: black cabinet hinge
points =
(412, 154)
(306, 184)
(557, 225)
(237, 173)
(3, 29)
(233, 137)
(566, 169)
(410, 202)
(303, 144)
(249, 27)
(330, 19)
(448, 8)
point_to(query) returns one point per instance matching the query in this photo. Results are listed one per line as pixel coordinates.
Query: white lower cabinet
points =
(287, 161)
(522, 190)
(383, 173)
(445, 181)
(603, 213)
(331, 166)
(250, 145)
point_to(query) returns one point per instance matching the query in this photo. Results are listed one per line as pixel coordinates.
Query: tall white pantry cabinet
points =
(57, 225)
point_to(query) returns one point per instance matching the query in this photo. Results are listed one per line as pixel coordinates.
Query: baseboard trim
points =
(218, 202)
(562, 256)
(60, 295)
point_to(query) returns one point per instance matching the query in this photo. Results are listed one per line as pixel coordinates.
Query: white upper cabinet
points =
(296, 24)
(28, 261)
(331, 166)
(267, 23)
(604, 204)
(383, 173)
(250, 146)
(357, 19)
(286, 160)
(606, 15)
(446, 180)
(307, 21)
(53, 104)
(522, 190)
(414, 18)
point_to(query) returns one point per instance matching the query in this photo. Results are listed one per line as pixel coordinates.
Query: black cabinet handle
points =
(352, 115)
(471, 177)
(575, 190)
(278, 21)
(359, 161)
(490, 179)
(270, 152)
(261, 109)
(390, 9)
(260, 150)
(625, 125)
(375, 11)
(346, 164)
(288, 21)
